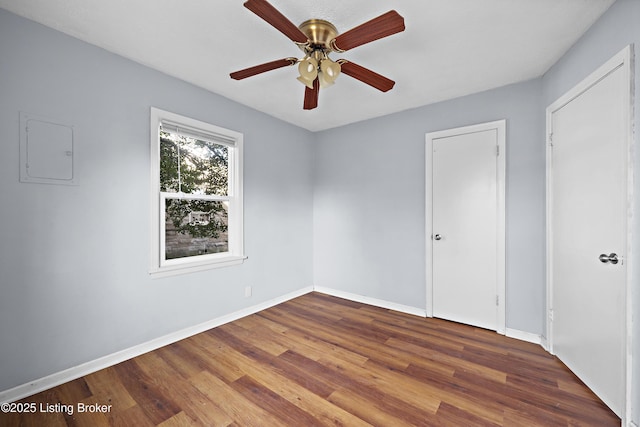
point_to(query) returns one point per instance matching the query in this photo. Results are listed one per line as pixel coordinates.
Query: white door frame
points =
(622, 59)
(500, 127)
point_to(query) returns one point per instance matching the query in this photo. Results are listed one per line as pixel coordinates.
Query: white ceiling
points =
(450, 48)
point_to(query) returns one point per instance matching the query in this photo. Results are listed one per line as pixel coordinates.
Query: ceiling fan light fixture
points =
(306, 82)
(308, 69)
(330, 69)
(324, 82)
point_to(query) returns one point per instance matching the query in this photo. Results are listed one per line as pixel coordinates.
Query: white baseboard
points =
(544, 344)
(372, 301)
(87, 368)
(524, 336)
(512, 333)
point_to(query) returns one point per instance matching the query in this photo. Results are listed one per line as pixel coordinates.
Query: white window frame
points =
(159, 266)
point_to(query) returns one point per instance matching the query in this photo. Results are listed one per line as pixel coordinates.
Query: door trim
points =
(500, 127)
(621, 59)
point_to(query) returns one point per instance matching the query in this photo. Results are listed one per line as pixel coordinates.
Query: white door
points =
(587, 161)
(467, 229)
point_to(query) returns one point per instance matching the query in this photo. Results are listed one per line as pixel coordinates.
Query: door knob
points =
(437, 237)
(612, 258)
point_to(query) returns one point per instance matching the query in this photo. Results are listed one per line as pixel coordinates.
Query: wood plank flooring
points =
(318, 360)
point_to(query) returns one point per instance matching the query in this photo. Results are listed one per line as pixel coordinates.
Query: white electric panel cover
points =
(46, 151)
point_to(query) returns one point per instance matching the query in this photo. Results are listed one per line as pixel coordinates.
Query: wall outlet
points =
(247, 291)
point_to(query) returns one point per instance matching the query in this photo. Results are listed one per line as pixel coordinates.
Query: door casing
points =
(500, 127)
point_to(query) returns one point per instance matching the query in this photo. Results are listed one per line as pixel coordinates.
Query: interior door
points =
(465, 227)
(588, 231)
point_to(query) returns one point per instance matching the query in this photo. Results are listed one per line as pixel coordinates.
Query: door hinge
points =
(497, 299)
(497, 150)
(551, 139)
(551, 315)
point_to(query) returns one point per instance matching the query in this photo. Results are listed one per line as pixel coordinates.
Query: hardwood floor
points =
(321, 360)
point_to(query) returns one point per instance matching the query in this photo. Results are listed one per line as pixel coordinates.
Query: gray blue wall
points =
(369, 201)
(74, 282)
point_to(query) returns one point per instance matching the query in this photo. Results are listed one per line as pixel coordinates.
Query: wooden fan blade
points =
(367, 76)
(258, 69)
(377, 28)
(272, 16)
(311, 95)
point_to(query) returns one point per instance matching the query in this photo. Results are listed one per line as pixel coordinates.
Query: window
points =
(196, 188)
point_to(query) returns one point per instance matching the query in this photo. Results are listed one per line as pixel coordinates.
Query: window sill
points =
(175, 270)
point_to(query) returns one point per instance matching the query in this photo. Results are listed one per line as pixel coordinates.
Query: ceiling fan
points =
(317, 38)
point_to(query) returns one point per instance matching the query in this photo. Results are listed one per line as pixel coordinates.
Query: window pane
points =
(195, 227)
(168, 164)
(193, 166)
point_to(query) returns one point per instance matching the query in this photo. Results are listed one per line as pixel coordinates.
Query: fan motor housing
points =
(320, 33)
